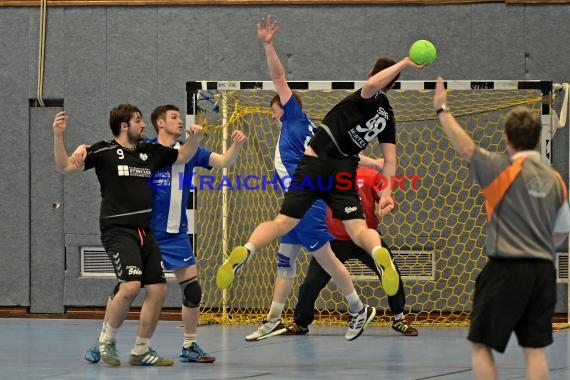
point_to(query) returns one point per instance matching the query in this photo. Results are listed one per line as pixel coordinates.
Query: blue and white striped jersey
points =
(171, 190)
(296, 131)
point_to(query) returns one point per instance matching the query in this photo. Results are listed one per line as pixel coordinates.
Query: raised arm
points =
(266, 30)
(190, 146)
(63, 163)
(381, 79)
(460, 140)
(229, 158)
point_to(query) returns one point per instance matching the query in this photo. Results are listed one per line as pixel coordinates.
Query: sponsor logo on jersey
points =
(132, 171)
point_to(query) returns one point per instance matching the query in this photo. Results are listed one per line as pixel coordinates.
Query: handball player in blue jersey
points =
(171, 189)
(311, 232)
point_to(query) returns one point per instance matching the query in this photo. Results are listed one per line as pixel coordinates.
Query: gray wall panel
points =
(14, 167)
(87, 108)
(46, 226)
(131, 57)
(546, 38)
(231, 42)
(497, 48)
(183, 49)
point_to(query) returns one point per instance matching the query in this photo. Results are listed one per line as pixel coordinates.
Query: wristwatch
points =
(444, 108)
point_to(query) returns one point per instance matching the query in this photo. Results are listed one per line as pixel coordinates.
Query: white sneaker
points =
(266, 330)
(359, 321)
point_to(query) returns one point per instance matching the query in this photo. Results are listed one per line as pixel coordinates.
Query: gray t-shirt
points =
(533, 208)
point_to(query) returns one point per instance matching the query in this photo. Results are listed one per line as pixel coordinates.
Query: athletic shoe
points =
(295, 329)
(229, 268)
(266, 330)
(358, 322)
(389, 276)
(150, 358)
(109, 353)
(195, 354)
(92, 355)
(403, 327)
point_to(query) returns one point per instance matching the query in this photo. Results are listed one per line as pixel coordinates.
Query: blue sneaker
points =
(92, 355)
(195, 354)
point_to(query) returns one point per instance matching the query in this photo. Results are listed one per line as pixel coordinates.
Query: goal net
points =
(436, 231)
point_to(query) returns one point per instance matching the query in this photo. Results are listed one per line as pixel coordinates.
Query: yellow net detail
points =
(436, 231)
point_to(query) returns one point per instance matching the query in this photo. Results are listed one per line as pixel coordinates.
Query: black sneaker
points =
(403, 327)
(295, 329)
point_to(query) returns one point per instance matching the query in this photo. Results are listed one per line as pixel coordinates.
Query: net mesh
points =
(436, 231)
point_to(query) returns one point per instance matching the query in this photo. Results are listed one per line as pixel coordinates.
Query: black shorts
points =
(134, 253)
(330, 179)
(514, 295)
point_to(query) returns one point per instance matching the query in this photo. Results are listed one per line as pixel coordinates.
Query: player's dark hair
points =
(381, 64)
(160, 113)
(276, 99)
(122, 114)
(523, 128)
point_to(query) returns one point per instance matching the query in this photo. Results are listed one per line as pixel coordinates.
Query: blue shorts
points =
(311, 232)
(176, 250)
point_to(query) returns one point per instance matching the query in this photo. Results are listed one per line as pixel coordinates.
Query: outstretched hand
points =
(60, 123)
(195, 132)
(411, 63)
(266, 29)
(77, 158)
(238, 137)
(440, 94)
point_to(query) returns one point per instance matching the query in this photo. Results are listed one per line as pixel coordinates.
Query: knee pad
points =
(191, 292)
(287, 260)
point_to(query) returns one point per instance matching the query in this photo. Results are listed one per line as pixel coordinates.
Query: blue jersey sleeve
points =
(201, 159)
(292, 110)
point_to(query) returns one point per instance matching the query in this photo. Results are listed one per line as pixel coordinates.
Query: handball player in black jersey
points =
(332, 156)
(123, 166)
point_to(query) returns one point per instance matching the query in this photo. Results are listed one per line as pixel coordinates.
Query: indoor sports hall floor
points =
(53, 349)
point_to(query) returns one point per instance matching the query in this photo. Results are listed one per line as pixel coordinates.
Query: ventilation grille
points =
(562, 267)
(96, 263)
(413, 265)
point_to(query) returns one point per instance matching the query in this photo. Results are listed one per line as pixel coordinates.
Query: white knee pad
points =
(287, 260)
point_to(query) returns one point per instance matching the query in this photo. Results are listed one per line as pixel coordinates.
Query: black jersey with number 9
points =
(124, 179)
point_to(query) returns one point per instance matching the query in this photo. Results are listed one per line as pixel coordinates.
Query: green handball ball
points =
(422, 52)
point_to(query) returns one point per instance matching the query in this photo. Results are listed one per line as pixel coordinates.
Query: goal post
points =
(436, 231)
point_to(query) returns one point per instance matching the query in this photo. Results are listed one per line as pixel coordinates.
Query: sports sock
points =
(188, 340)
(399, 316)
(373, 249)
(275, 311)
(251, 248)
(355, 305)
(141, 346)
(108, 335)
(103, 330)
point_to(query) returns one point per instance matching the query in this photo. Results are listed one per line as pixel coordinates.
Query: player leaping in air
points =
(345, 131)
